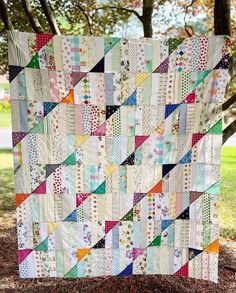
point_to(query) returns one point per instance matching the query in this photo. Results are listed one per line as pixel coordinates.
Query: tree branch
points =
(132, 11)
(229, 102)
(147, 18)
(229, 131)
(86, 16)
(34, 22)
(189, 33)
(4, 16)
(50, 18)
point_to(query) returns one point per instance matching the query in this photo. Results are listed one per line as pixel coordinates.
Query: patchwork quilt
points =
(117, 149)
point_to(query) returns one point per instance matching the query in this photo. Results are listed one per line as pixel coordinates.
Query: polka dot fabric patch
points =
(116, 148)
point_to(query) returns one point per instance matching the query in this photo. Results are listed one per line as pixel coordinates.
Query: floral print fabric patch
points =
(117, 146)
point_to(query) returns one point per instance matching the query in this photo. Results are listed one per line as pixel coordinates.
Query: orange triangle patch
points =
(81, 252)
(157, 188)
(214, 247)
(20, 198)
(69, 99)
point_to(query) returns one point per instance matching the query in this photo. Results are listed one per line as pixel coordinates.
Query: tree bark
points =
(147, 18)
(222, 17)
(229, 131)
(50, 18)
(32, 18)
(4, 16)
(222, 27)
(229, 102)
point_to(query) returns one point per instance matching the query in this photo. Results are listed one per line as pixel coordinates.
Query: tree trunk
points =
(32, 18)
(147, 18)
(50, 18)
(222, 17)
(222, 27)
(4, 15)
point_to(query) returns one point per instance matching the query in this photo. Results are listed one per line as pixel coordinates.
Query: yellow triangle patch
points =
(80, 139)
(110, 169)
(52, 226)
(81, 252)
(214, 247)
(141, 77)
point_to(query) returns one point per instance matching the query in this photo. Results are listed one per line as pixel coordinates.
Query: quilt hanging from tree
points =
(117, 148)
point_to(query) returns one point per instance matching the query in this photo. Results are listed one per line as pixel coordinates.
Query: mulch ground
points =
(10, 282)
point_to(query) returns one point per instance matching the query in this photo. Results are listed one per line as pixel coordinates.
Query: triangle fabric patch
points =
(163, 67)
(42, 40)
(190, 98)
(165, 224)
(137, 252)
(184, 215)
(48, 107)
(76, 77)
(127, 271)
(214, 247)
(129, 160)
(20, 198)
(193, 252)
(173, 44)
(194, 195)
(17, 137)
(99, 67)
(101, 130)
(196, 137)
(110, 225)
(23, 253)
(214, 189)
(170, 109)
(224, 63)
(50, 168)
(39, 128)
(128, 216)
(52, 226)
(140, 139)
(157, 188)
(138, 197)
(217, 128)
(166, 168)
(109, 43)
(43, 246)
(69, 99)
(182, 271)
(141, 77)
(101, 189)
(131, 100)
(72, 273)
(14, 71)
(81, 197)
(101, 243)
(72, 217)
(71, 160)
(156, 241)
(34, 62)
(41, 189)
(201, 76)
(110, 110)
(81, 252)
(187, 158)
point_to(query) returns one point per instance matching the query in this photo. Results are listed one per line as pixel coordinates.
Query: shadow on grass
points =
(10, 282)
(7, 197)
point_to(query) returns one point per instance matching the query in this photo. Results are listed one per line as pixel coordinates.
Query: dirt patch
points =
(10, 282)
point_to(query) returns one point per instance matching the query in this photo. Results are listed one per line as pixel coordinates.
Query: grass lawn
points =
(5, 118)
(228, 193)
(227, 199)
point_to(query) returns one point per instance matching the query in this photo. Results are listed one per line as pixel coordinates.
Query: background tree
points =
(179, 18)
